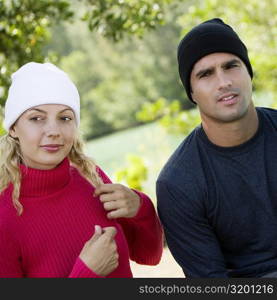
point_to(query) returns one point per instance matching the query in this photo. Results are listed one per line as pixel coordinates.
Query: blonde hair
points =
(11, 157)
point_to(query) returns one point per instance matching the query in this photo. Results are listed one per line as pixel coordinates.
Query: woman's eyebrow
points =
(36, 109)
(66, 109)
(43, 111)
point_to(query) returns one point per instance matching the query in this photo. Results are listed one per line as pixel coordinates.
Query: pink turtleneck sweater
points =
(59, 217)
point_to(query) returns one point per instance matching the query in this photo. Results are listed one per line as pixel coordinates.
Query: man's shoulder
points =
(183, 157)
(267, 111)
(269, 115)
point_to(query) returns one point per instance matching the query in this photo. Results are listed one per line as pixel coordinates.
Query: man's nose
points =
(224, 81)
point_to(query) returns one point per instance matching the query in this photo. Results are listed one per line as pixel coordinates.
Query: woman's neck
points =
(39, 183)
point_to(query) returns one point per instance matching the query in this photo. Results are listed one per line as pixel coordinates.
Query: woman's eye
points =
(36, 118)
(66, 118)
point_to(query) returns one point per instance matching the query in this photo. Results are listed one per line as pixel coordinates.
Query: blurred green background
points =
(122, 57)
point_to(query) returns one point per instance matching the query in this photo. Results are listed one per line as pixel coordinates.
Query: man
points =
(217, 194)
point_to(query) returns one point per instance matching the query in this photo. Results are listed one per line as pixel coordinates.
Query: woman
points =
(60, 215)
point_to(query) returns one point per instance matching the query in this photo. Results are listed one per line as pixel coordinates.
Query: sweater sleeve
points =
(188, 233)
(143, 232)
(80, 270)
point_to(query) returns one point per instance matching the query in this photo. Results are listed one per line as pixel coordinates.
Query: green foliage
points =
(152, 111)
(171, 116)
(115, 79)
(110, 95)
(23, 32)
(181, 121)
(114, 19)
(134, 173)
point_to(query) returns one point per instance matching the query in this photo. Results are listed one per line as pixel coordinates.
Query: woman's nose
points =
(52, 129)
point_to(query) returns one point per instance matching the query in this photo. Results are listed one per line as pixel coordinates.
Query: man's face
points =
(222, 88)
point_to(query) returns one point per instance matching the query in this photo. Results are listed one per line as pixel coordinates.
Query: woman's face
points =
(46, 134)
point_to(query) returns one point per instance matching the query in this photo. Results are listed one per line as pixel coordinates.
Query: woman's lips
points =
(51, 148)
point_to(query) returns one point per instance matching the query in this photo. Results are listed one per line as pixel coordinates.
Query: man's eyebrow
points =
(230, 62)
(203, 71)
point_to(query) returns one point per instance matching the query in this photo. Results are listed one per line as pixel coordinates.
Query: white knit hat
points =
(36, 84)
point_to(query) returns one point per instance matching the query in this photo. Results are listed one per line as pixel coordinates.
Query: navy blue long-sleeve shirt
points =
(218, 205)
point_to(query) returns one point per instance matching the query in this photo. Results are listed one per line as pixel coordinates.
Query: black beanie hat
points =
(208, 37)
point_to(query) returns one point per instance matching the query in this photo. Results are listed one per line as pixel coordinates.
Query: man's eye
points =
(231, 66)
(205, 74)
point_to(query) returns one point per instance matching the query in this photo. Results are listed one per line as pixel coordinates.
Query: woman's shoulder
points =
(77, 176)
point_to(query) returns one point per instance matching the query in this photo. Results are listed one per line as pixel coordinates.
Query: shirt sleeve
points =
(143, 232)
(188, 233)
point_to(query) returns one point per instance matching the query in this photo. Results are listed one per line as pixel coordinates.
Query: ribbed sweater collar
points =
(39, 183)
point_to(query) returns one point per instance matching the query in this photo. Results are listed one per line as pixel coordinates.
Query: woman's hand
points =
(119, 200)
(100, 252)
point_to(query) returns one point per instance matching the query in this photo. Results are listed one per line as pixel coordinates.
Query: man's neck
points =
(233, 133)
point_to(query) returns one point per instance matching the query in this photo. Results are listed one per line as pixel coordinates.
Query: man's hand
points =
(119, 200)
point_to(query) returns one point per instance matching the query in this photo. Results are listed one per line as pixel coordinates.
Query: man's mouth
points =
(228, 98)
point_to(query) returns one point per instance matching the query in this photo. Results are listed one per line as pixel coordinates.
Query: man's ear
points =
(191, 94)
